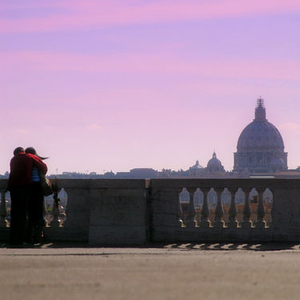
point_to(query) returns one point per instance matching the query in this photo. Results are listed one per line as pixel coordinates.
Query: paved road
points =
(167, 272)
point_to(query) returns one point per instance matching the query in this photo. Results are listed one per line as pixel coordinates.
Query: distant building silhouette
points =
(138, 173)
(260, 147)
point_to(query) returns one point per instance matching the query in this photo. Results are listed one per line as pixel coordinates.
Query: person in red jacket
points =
(20, 186)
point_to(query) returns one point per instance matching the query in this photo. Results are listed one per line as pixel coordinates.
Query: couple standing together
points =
(27, 199)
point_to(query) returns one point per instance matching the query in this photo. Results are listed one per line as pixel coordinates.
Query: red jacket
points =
(21, 169)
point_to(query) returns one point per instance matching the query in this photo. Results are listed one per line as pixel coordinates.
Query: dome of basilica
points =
(260, 147)
(260, 135)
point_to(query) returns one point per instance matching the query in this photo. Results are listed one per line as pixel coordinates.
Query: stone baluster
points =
(260, 223)
(55, 212)
(190, 220)
(3, 211)
(247, 223)
(219, 212)
(178, 208)
(205, 222)
(232, 222)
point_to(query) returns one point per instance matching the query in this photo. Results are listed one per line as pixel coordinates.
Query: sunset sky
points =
(114, 85)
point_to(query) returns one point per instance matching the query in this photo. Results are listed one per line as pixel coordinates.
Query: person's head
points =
(31, 150)
(18, 150)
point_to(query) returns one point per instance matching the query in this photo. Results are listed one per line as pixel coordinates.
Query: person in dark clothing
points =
(36, 205)
(20, 185)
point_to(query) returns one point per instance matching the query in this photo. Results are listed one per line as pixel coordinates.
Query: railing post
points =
(205, 222)
(78, 211)
(247, 223)
(190, 220)
(260, 223)
(3, 210)
(232, 222)
(219, 223)
(273, 202)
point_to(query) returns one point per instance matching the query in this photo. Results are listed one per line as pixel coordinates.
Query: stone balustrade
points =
(135, 212)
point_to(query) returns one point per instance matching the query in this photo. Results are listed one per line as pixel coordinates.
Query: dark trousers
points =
(19, 215)
(27, 212)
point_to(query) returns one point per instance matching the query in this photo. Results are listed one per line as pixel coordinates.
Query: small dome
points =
(214, 164)
(196, 166)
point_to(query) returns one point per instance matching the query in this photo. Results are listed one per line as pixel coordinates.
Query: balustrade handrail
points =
(171, 182)
(228, 182)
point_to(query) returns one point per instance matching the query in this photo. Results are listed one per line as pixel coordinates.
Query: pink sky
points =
(114, 85)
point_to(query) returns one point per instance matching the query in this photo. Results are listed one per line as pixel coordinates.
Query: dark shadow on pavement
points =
(270, 246)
